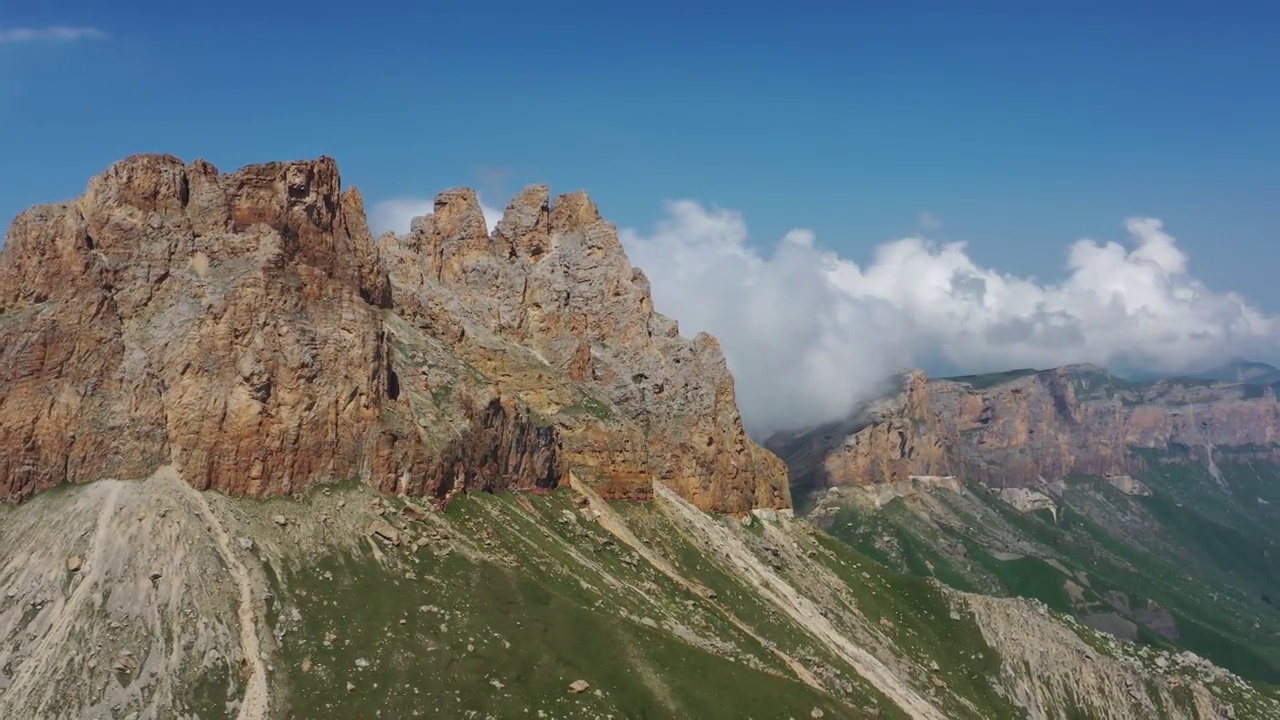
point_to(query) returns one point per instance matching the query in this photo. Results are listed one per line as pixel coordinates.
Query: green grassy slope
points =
(1193, 566)
(501, 630)
(370, 607)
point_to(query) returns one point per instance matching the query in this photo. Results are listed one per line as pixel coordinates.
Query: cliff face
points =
(228, 323)
(553, 279)
(1018, 428)
(246, 328)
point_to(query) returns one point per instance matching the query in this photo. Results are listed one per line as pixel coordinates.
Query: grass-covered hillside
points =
(168, 603)
(1186, 558)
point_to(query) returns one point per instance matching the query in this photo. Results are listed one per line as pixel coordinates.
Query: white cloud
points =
(809, 334)
(55, 33)
(397, 213)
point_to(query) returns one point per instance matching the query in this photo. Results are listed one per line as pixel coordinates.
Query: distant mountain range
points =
(1235, 371)
(1148, 509)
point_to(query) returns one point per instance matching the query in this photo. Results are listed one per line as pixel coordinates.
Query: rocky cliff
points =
(554, 280)
(1014, 429)
(247, 329)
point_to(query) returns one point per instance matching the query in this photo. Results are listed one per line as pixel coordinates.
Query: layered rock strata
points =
(1033, 427)
(554, 279)
(246, 328)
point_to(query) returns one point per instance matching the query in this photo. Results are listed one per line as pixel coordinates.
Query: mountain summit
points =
(247, 329)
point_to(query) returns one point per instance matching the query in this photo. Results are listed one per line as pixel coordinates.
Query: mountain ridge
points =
(1024, 427)
(1237, 370)
(1145, 509)
(260, 465)
(266, 283)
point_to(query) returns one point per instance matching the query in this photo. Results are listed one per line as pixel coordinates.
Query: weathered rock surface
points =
(229, 323)
(554, 279)
(1128, 485)
(1027, 500)
(1039, 426)
(244, 328)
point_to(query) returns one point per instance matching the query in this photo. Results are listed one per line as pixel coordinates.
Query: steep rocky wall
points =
(230, 324)
(554, 278)
(1050, 424)
(247, 329)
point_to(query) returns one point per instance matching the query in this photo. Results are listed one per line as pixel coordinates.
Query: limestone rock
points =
(1026, 500)
(1128, 485)
(386, 531)
(412, 512)
(229, 324)
(224, 323)
(554, 278)
(1031, 429)
(247, 329)
(126, 662)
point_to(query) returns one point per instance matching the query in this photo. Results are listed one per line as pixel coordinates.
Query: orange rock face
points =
(175, 315)
(1050, 424)
(246, 328)
(554, 280)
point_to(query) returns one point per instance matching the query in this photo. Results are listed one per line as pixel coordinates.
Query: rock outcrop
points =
(1128, 485)
(1030, 427)
(246, 328)
(227, 323)
(554, 279)
(1026, 500)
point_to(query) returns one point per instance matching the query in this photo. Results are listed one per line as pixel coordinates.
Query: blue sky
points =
(1021, 129)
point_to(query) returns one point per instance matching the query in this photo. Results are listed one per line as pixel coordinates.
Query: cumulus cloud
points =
(396, 214)
(55, 33)
(809, 334)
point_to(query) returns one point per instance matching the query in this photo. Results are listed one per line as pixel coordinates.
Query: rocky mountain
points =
(1146, 510)
(1233, 371)
(247, 329)
(1242, 371)
(259, 464)
(1023, 428)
